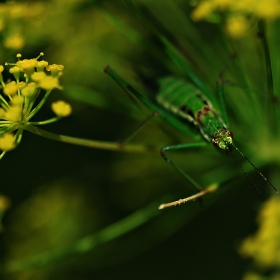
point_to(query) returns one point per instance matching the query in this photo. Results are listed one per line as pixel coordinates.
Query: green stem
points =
(87, 243)
(54, 119)
(269, 77)
(18, 136)
(174, 54)
(270, 110)
(2, 154)
(39, 106)
(4, 103)
(114, 146)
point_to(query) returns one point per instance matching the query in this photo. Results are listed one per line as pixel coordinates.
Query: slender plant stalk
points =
(113, 146)
(269, 77)
(86, 243)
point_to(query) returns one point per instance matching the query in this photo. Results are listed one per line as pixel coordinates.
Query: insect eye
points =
(230, 134)
(215, 143)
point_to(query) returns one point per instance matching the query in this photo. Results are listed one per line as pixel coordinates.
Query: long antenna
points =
(259, 172)
(247, 175)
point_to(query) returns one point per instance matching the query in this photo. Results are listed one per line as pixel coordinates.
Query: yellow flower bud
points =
(29, 90)
(202, 11)
(2, 113)
(38, 76)
(1, 70)
(49, 83)
(7, 142)
(4, 203)
(267, 9)
(13, 114)
(21, 85)
(41, 65)
(61, 108)
(11, 88)
(55, 69)
(17, 100)
(27, 66)
(237, 26)
(15, 71)
(15, 42)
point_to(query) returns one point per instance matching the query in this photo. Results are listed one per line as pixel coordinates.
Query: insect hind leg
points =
(200, 192)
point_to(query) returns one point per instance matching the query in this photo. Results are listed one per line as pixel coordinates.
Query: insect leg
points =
(179, 169)
(200, 192)
(142, 125)
(221, 94)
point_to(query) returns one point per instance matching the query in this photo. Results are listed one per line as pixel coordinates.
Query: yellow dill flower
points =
(264, 246)
(15, 42)
(55, 69)
(41, 65)
(23, 99)
(4, 203)
(38, 76)
(235, 12)
(61, 108)
(13, 114)
(44, 81)
(15, 71)
(236, 26)
(252, 276)
(2, 113)
(17, 100)
(244, 6)
(7, 142)
(223, 4)
(267, 9)
(27, 66)
(29, 90)
(21, 85)
(1, 70)
(11, 88)
(49, 83)
(202, 11)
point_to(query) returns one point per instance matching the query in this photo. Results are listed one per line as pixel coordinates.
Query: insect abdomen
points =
(186, 101)
(181, 98)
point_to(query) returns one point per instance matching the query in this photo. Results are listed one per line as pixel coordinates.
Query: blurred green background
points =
(61, 193)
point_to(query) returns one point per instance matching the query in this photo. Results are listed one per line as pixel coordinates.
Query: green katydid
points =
(192, 102)
(181, 101)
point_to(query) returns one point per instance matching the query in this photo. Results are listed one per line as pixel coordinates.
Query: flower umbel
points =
(237, 14)
(19, 97)
(263, 247)
(21, 100)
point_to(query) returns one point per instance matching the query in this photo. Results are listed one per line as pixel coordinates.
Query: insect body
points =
(187, 106)
(184, 105)
(186, 101)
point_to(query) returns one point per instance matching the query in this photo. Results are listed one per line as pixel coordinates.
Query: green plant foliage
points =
(73, 212)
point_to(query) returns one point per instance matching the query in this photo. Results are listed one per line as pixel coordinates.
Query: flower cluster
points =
(264, 246)
(237, 12)
(19, 101)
